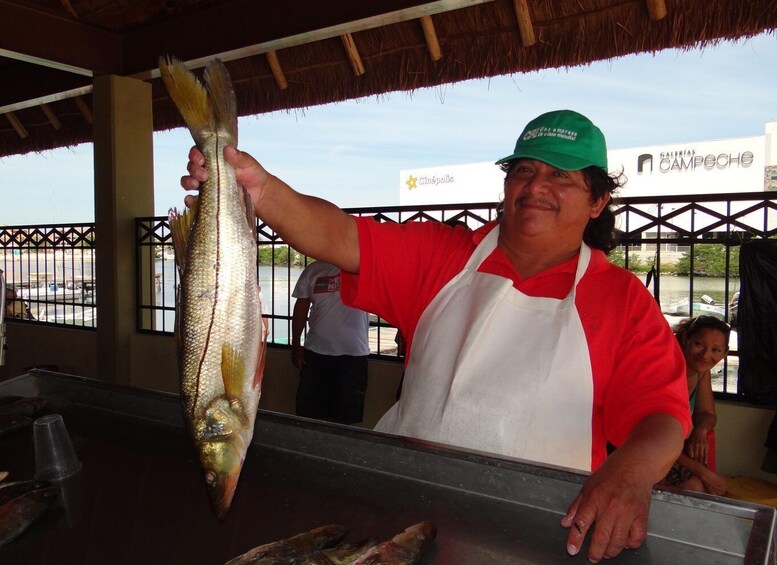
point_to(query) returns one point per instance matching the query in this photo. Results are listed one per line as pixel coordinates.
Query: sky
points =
(351, 152)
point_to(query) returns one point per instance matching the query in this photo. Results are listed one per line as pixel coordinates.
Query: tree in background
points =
(636, 264)
(279, 255)
(709, 260)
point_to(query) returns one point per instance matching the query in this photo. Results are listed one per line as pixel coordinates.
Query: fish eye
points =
(210, 478)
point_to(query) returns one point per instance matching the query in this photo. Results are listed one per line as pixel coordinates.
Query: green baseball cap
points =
(565, 139)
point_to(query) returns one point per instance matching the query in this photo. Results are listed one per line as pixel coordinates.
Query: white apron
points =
(495, 370)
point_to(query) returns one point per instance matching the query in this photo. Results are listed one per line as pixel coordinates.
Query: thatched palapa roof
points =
(286, 54)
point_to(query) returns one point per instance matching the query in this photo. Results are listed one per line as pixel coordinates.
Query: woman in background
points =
(15, 307)
(704, 341)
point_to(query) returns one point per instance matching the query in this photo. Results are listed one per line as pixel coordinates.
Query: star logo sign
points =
(411, 182)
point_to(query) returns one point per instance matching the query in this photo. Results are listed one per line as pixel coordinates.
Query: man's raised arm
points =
(310, 225)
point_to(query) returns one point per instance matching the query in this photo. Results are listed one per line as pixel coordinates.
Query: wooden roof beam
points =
(69, 7)
(353, 54)
(525, 27)
(277, 70)
(271, 28)
(69, 45)
(656, 9)
(430, 35)
(17, 125)
(85, 110)
(52, 117)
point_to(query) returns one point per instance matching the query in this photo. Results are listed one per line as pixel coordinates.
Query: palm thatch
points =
(475, 41)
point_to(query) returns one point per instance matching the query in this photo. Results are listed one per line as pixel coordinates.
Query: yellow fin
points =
(189, 96)
(232, 371)
(180, 227)
(222, 96)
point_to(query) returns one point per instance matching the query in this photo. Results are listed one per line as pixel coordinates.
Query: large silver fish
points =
(218, 313)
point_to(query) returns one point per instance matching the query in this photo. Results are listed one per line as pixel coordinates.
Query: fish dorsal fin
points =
(232, 371)
(222, 96)
(180, 228)
(189, 96)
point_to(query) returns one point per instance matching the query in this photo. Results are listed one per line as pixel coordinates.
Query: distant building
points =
(452, 184)
(745, 164)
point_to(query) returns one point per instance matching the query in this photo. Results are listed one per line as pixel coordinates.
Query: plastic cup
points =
(55, 458)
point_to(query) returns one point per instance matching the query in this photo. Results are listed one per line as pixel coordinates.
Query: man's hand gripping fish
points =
(218, 314)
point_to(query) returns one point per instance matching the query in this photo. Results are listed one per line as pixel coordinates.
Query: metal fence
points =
(673, 243)
(50, 270)
(685, 248)
(278, 268)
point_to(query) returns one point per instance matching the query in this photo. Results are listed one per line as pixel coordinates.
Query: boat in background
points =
(58, 292)
(705, 307)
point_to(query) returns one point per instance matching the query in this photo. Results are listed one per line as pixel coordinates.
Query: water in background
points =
(57, 286)
(277, 285)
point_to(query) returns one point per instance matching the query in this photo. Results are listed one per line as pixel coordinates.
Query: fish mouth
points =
(221, 490)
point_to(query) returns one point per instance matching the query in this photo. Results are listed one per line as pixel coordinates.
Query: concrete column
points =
(770, 158)
(124, 189)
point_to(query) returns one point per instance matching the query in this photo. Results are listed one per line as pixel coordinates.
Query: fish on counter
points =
(322, 546)
(18, 412)
(10, 423)
(17, 514)
(343, 554)
(405, 548)
(9, 491)
(289, 551)
(218, 310)
(22, 406)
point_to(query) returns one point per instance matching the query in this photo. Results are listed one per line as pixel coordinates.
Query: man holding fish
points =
(522, 339)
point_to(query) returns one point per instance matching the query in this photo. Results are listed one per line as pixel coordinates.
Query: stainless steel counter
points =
(140, 497)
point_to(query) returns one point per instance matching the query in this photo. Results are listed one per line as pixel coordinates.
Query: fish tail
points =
(190, 97)
(222, 95)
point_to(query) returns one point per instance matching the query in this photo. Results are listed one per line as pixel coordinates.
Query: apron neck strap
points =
(484, 249)
(489, 243)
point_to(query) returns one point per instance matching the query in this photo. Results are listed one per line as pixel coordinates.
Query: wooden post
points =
(277, 70)
(17, 125)
(656, 9)
(353, 54)
(86, 112)
(53, 119)
(525, 26)
(431, 38)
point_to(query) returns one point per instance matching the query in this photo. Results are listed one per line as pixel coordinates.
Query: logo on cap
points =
(567, 134)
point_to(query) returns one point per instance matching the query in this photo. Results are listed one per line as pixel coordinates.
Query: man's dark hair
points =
(600, 231)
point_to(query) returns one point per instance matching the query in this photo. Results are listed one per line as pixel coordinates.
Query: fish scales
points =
(218, 314)
(292, 551)
(17, 514)
(9, 491)
(405, 548)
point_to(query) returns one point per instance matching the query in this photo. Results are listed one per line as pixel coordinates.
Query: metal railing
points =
(673, 242)
(50, 274)
(278, 268)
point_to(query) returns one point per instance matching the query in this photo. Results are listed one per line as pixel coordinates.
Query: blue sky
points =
(351, 152)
